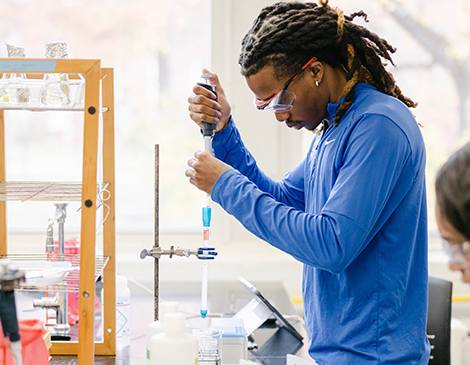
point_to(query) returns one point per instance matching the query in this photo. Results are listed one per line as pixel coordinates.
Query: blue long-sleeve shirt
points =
(354, 212)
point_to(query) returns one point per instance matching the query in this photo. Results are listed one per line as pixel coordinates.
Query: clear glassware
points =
(78, 100)
(210, 346)
(56, 88)
(13, 89)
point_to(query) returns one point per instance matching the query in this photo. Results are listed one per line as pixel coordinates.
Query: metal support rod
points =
(50, 236)
(156, 273)
(60, 214)
(62, 326)
(202, 253)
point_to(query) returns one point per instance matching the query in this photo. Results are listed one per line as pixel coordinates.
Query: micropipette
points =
(208, 130)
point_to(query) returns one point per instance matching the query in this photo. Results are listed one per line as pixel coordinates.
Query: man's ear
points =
(316, 71)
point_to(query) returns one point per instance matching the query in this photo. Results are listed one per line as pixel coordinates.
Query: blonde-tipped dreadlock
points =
(287, 34)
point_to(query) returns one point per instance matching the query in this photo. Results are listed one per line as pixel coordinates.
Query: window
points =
(157, 49)
(433, 49)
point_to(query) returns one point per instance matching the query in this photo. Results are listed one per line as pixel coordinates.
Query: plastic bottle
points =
(123, 312)
(155, 328)
(175, 346)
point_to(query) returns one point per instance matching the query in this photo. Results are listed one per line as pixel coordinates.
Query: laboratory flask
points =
(56, 89)
(13, 89)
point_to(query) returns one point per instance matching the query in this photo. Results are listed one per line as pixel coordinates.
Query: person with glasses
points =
(354, 210)
(453, 209)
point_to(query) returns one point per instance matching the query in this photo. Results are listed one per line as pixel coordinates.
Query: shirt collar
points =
(333, 108)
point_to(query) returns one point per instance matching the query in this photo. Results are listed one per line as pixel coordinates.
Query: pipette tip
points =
(203, 313)
(206, 216)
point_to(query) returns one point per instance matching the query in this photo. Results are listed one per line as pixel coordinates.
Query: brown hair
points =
(453, 190)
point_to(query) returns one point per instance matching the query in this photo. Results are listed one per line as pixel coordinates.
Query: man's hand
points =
(203, 107)
(204, 170)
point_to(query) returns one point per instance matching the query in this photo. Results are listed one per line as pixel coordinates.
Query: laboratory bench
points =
(223, 297)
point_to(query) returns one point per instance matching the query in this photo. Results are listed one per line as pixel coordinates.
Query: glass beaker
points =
(210, 346)
(56, 89)
(13, 88)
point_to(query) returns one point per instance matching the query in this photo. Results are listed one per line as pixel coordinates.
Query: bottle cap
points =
(167, 307)
(174, 324)
(121, 281)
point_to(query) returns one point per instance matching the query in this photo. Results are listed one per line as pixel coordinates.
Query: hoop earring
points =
(317, 83)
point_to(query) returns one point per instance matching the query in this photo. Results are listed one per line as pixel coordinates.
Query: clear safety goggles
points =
(459, 255)
(284, 99)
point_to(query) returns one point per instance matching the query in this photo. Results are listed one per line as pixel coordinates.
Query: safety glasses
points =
(458, 254)
(283, 100)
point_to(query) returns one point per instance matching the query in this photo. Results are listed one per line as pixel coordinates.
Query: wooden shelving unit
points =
(84, 191)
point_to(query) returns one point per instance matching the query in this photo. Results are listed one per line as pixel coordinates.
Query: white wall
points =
(281, 148)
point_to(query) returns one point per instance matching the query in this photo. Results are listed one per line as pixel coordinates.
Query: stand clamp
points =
(202, 253)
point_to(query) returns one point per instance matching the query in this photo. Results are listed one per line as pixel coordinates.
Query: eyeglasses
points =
(458, 254)
(283, 100)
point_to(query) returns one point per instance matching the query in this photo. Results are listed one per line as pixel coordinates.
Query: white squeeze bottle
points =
(123, 312)
(174, 346)
(155, 328)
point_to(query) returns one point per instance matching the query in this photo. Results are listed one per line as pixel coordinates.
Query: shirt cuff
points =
(222, 138)
(218, 188)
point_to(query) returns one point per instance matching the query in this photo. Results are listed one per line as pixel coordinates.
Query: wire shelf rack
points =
(71, 282)
(44, 191)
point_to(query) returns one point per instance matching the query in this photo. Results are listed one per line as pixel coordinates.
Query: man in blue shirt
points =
(354, 210)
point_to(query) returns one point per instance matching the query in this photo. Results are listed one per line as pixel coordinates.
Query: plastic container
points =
(174, 346)
(123, 312)
(34, 350)
(234, 341)
(155, 328)
(71, 246)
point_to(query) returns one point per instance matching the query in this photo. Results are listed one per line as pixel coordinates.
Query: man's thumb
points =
(214, 80)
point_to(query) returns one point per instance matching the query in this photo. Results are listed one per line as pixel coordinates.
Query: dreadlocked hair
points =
(288, 34)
